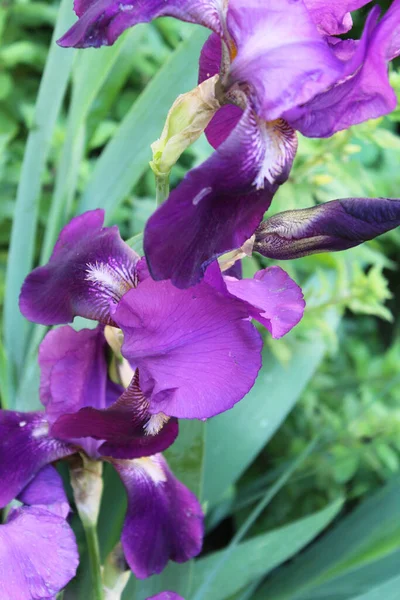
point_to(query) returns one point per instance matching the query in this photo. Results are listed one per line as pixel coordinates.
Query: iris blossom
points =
(281, 68)
(38, 551)
(85, 412)
(195, 351)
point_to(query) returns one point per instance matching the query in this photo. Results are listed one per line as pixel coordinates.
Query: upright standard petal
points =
(363, 94)
(73, 370)
(25, 448)
(127, 427)
(280, 55)
(333, 18)
(164, 520)
(196, 352)
(218, 205)
(101, 22)
(46, 490)
(90, 268)
(39, 555)
(335, 225)
(274, 299)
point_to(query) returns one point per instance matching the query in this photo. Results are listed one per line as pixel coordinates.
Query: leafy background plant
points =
(300, 481)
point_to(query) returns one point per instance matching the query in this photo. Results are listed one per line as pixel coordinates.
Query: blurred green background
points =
(301, 480)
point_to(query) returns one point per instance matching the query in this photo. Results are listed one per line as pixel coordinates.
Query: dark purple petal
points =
(39, 555)
(25, 448)
(102, 22)
(196, 351)
(365, 93)
(275, 299)
(227, 117)
(47, 490)
(335, 225)
(90, 268)
(281, 55)
(126, 426)
(218, 205)
(166, 596)
(73, 370)
(164, 520)
(210, 58)
(333, 18)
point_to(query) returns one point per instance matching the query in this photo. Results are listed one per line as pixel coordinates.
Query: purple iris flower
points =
(39, 555)
(86, 412)
(281, 69)
(195, 351)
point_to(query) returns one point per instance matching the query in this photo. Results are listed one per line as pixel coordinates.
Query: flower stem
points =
(94, 560)
(162, 188)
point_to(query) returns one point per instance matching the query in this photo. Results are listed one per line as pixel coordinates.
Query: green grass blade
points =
(203, 591)
(128, 153)
(91, 69)
(260, 554)
(22, 246)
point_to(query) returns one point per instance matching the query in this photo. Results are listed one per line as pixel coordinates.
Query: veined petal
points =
(333, 18)
(128, 428)
(166, 596)
(90, 268)
(25, 448)
(280, 55)
(335, 225)
(39, 555)
(46, 490)
(164, 520)
(73, 370)
(218, 205)
(274, 299)
(101, 22)
(195, 349)
(363, 94)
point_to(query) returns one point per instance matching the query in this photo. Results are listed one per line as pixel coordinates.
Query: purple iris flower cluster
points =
(189, 353)
(173, 336)
(282, 68)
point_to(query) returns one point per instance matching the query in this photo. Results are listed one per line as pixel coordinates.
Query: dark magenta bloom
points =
(39, 555)
(196, 351)
(329, 227)
(86, 412)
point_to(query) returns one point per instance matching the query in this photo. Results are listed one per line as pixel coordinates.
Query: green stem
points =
(94, 560)
(162, 188)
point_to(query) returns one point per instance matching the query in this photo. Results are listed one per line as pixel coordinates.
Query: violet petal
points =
(101, 22)
(122, 426)
(164, 520)
(90, 268)
(46, 490)
(25, 448)
(275, 300)
(195, 349)
(39, 554)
